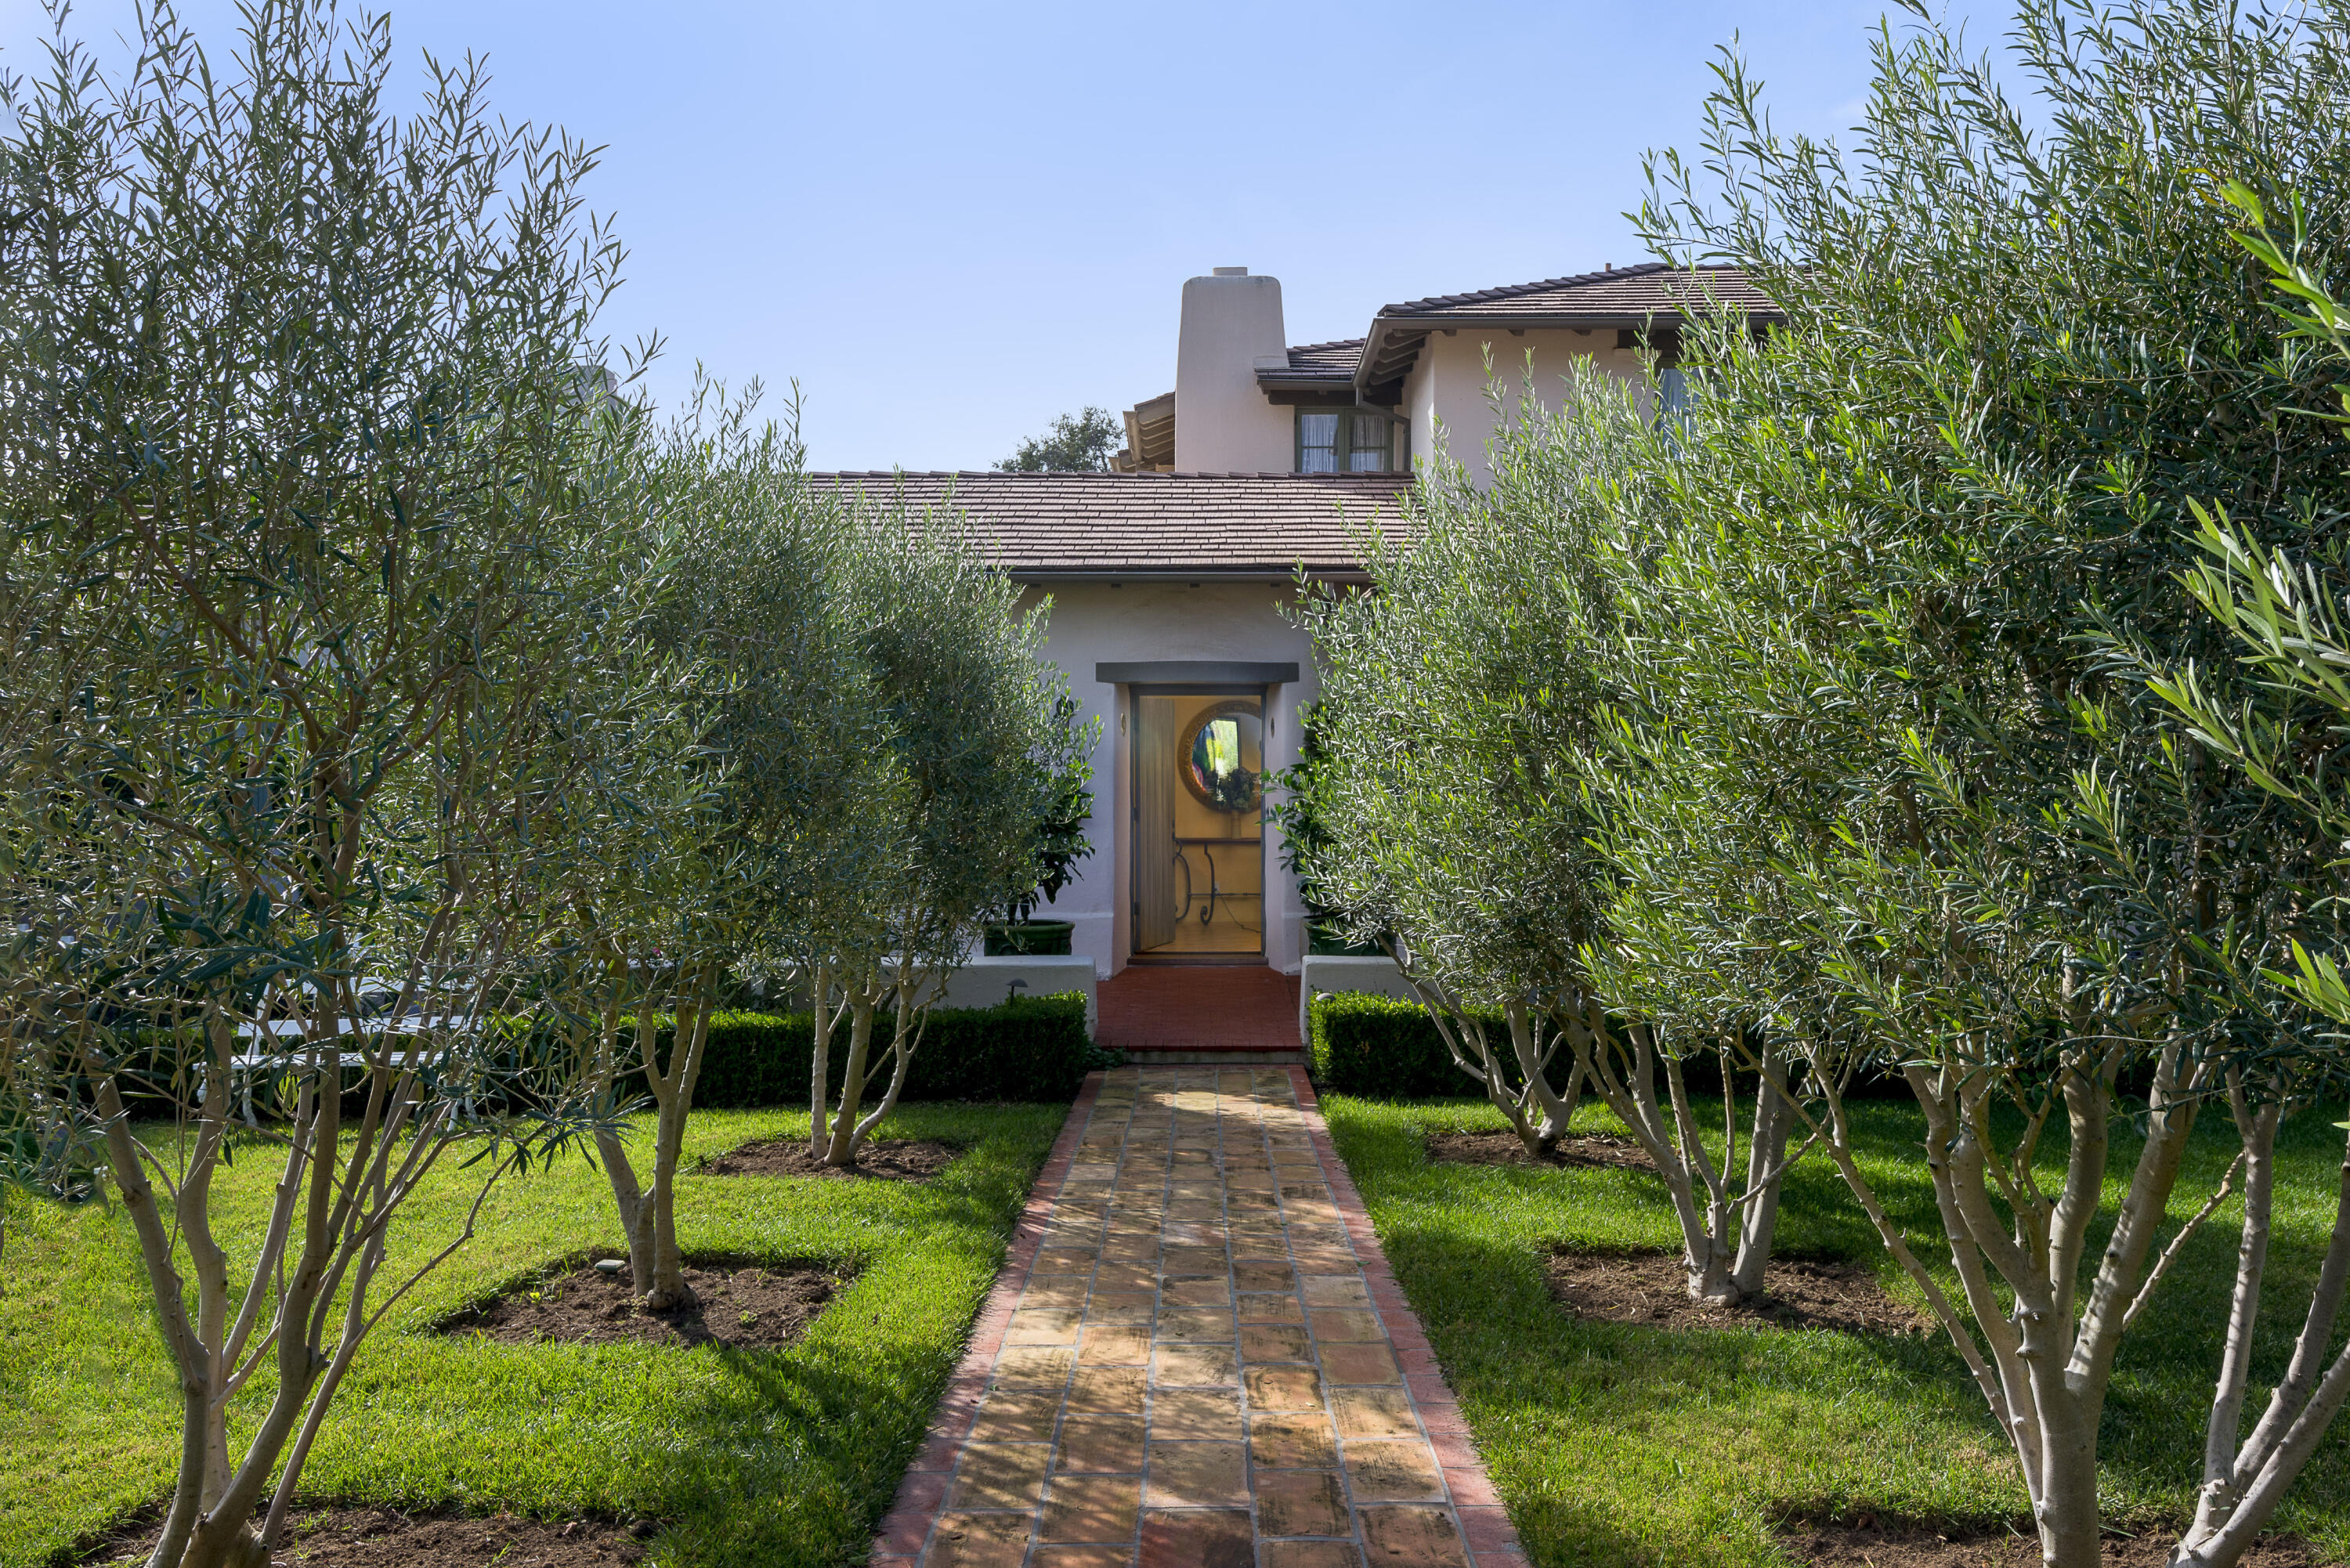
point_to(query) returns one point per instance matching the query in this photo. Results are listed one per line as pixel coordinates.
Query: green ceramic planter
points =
(1322, 941)
(1029, 938)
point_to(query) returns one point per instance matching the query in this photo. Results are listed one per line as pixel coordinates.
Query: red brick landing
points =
(1219, 1011)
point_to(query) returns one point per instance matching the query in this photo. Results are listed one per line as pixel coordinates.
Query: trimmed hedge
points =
(1382, 1048)
(1386, 1048)
(1031, 1049)
(1378, 1045)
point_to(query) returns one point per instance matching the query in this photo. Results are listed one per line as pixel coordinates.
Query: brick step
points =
(1221, 1055)
(1242, 1016)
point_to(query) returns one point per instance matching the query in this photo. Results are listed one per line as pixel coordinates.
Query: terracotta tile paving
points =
(1197, 1358)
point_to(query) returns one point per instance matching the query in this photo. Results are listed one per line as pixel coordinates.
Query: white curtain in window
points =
(1369, 451)
(1317, 443)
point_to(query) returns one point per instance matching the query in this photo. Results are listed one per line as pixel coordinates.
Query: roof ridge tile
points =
(1661, 274)
(1508, 290)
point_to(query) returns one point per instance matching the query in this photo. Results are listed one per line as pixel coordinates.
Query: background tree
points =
(1082, 442)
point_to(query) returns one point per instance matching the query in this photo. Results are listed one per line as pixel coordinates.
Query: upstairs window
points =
(1343, 441)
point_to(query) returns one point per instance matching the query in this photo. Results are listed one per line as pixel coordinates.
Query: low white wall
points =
(1329, 974)
(987, 982)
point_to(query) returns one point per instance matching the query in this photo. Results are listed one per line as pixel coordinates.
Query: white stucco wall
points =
(1222, 422)
(1095, 623)
(1447, 384)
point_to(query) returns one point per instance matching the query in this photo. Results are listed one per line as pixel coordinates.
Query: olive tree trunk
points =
(2039, 1326)
(309, 1296)
(912, 994)
(1727, 1223)
(648, 1211)
(1538, 1114)
(627, 1194)
(2246, 1477)
(819, 1091)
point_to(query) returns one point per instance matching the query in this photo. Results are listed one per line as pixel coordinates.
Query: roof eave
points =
(1291, 382)
(1588, 321)
(1383, 325)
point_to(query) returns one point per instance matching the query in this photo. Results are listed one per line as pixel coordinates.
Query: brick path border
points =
(1485, 1524)
(923, 1492)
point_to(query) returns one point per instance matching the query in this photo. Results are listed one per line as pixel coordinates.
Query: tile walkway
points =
(1196, 1358)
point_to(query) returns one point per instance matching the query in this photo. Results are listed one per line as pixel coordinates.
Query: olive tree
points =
(2284, 602)
(290, 415)
(1467, 739)
(942, 830)
(1445, 820)
(750, 707)
(1945, 509)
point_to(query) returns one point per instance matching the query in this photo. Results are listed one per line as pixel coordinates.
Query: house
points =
(1168, 578)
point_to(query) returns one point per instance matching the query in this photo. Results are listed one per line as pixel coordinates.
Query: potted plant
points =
(1061, 843)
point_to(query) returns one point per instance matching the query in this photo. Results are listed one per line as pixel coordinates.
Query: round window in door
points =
(1224, 757)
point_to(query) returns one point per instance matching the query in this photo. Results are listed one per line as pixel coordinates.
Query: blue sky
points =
(950, 223)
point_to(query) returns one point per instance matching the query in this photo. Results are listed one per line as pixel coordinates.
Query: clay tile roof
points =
(1060, 525)
(1650, 288)
(1333, 361)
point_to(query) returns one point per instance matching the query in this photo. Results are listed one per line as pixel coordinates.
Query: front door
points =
(1198, 826)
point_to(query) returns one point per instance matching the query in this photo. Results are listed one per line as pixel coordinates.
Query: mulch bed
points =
(1651, 1288)
(1584, 1149)
(1869, 1543)
(740, 1302)
(382, 1538)
(885, 1159)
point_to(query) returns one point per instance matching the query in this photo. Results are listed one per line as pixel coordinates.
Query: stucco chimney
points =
(1232, 326)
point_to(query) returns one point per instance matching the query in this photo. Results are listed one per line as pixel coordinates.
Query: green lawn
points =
(763, 1458)
(1619, 1444)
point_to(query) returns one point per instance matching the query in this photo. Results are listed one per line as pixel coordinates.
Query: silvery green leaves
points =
(1937, 538)
(301, 522)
